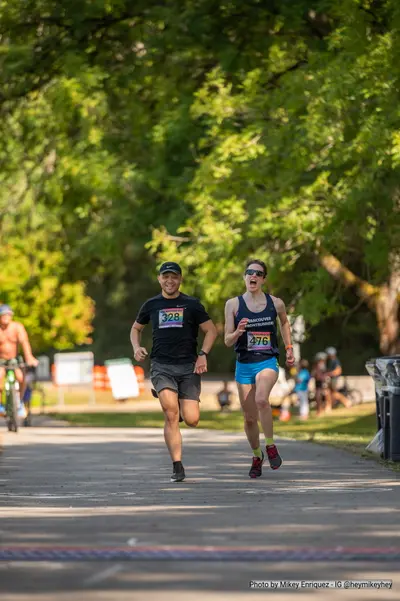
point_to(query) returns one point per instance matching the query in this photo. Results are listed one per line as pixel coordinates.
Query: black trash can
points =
(389, 368)
(376, 375)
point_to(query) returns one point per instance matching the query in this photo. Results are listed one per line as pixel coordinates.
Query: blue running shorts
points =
(246, 372)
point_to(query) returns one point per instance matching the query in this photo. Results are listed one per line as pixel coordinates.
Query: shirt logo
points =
(170, 318)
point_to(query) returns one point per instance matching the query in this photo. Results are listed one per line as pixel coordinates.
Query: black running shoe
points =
(274, 458)
(256, 467)
(178, 474)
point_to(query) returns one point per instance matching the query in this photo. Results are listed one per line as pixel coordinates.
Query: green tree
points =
(56, 312)
(299, 166)
(226, 130)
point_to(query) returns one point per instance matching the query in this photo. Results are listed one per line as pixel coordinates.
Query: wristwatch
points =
(202, 353)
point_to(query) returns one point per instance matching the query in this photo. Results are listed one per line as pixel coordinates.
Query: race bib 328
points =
(170, 318)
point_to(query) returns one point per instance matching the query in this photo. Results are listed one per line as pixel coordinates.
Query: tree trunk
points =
(387, 314)
(388, 310)
(383, 300)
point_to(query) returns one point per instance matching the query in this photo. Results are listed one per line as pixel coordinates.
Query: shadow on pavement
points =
(102, 487)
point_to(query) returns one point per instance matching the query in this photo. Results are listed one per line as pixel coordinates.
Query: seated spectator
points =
(224, 397)
(319, 374)
(334, 370)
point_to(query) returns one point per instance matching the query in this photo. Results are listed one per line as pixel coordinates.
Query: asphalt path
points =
(96, 489)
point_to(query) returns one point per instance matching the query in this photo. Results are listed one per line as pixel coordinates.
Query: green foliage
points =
(303, 148)
(56, 313)
(206, 133)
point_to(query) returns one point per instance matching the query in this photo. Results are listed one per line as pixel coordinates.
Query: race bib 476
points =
(170, 318)
(258, 341)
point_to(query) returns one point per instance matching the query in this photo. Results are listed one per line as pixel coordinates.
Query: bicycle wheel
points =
(13, 405)
(355, 396)
(9, 410)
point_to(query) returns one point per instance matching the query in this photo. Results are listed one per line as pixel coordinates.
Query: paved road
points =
(99, 488)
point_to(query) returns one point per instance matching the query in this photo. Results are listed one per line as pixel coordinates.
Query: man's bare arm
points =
(23, 340)
(210, 331)
(139, 351)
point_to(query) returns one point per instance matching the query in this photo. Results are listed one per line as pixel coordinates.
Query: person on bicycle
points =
(13, 336)
(334, 370)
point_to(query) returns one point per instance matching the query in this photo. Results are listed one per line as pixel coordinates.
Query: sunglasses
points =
(256, 272)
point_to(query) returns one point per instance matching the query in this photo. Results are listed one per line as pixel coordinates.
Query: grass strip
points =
(350, 429)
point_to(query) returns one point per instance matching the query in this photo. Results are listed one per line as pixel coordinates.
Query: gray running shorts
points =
(179, 378)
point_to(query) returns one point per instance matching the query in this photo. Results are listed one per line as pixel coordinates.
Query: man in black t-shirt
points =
(176, 365)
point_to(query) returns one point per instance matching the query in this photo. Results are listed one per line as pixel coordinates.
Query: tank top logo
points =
(170, 318)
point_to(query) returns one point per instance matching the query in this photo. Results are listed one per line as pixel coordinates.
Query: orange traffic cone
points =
(98, 377)
(139, 371)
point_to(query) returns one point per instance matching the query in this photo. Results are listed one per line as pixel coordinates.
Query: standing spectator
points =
(301, 388)
(334, 370)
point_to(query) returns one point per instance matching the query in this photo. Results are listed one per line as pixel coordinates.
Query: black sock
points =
(177, 464)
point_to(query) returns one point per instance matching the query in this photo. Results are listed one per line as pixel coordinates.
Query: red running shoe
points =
(274, 458)
(256, 467)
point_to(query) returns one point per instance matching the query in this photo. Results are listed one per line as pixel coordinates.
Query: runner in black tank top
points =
(259, 342)
(250, 325)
